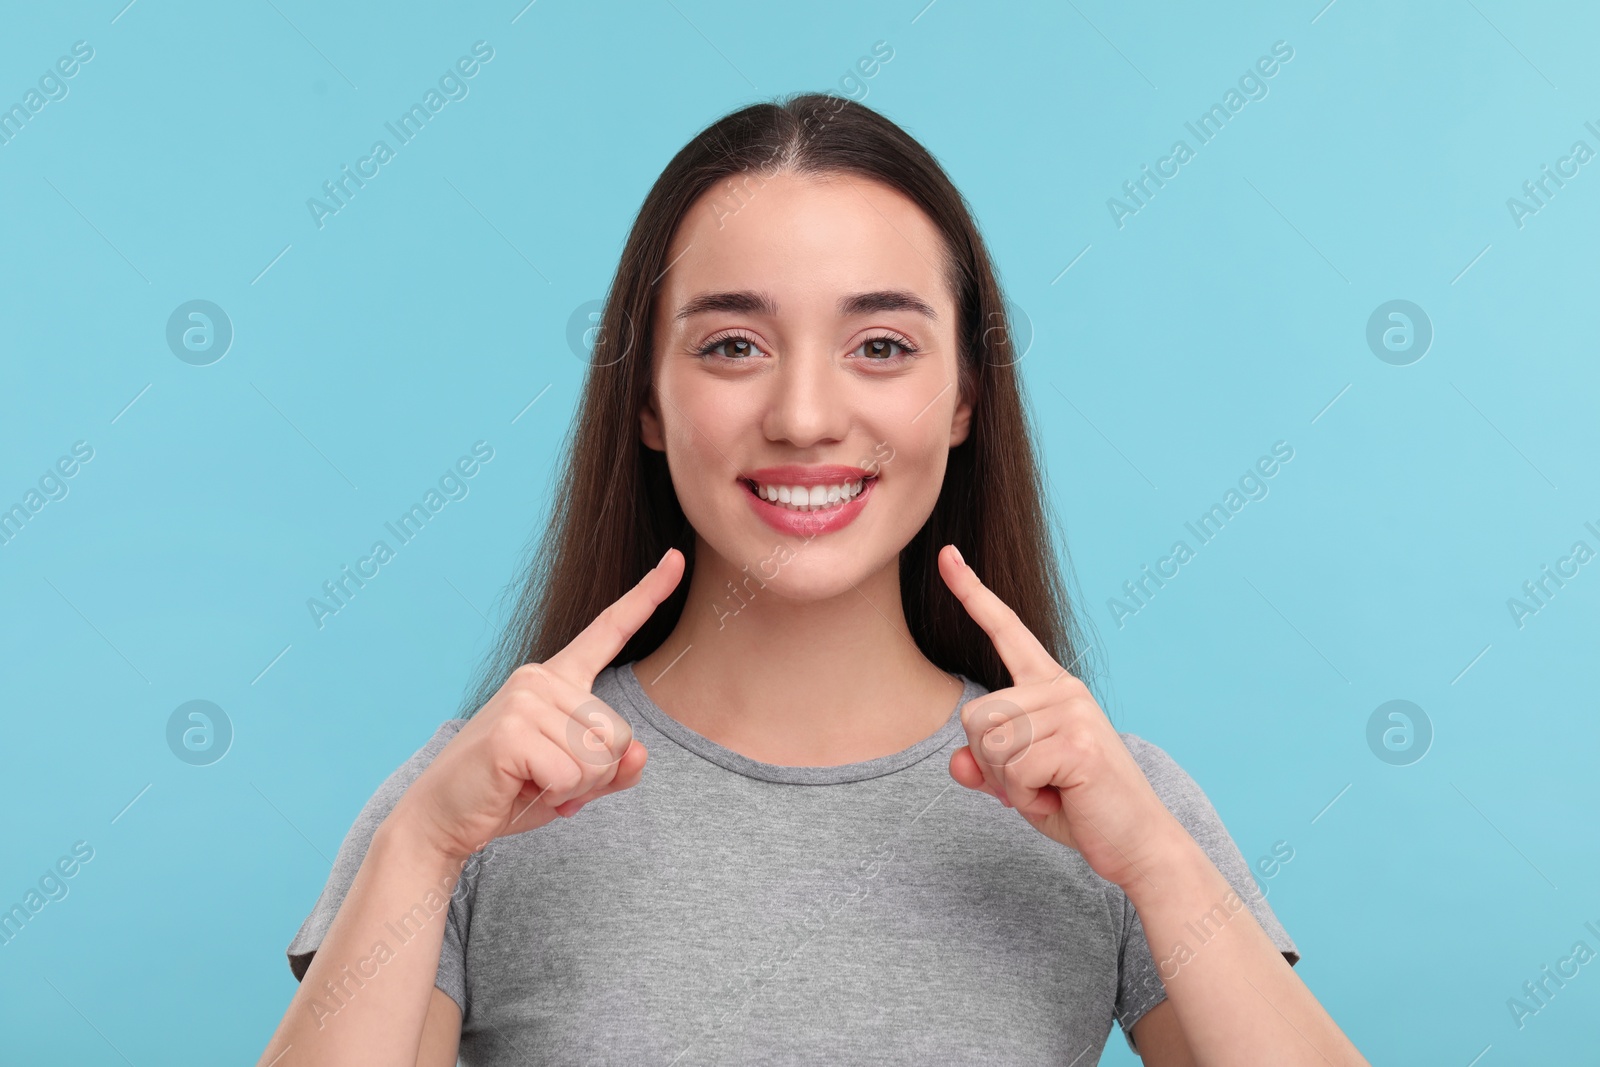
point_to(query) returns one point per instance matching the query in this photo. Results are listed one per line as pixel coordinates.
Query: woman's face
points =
(805, 337)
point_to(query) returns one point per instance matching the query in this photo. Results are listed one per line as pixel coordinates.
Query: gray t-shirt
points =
(729, 911)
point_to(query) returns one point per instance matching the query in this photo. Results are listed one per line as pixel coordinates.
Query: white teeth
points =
(809, 498)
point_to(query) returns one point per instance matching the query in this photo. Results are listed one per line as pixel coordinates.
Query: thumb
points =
(630, 768)
(965, 769)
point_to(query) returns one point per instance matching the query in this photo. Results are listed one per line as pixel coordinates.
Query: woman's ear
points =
(960, 423)
(650, 426)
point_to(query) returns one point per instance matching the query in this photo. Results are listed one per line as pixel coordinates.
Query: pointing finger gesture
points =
(1045, 746)
(543, 745)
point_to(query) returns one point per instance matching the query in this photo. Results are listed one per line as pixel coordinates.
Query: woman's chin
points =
(789, 569)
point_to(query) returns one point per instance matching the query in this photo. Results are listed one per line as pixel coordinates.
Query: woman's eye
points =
(881, 350)
(737, 349)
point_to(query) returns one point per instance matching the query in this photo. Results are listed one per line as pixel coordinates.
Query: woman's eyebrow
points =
(745, 301)
(886, 300)
(749, 302)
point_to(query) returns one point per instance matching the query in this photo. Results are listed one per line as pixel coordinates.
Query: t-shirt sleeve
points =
(452, 972)
(1139, 986)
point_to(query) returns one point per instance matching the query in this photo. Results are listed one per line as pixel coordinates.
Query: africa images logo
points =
(452, 86)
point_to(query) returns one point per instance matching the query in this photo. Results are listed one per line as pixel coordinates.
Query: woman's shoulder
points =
(1151, 757)
(1189, 804)
(1175, 786)
(402, 776)
(388, 793)
(353, 849)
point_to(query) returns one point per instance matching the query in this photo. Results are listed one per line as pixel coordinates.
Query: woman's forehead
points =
(808, 243)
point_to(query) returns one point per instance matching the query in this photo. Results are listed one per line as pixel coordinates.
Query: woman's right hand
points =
(542, 746)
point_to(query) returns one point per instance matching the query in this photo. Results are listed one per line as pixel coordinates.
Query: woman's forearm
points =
(1236, 998)
(365, 996)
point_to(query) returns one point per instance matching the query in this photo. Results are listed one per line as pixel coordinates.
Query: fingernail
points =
(663, 558)
(957, 551)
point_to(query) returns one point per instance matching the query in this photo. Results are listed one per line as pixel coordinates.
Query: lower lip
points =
(809, 523)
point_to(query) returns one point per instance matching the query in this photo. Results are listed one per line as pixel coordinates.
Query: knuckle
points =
(985, 716)
(565, 777)
(618, 626)
(1078, 740)
(621, 734)
(521, 702)
(1074, 686)
(524, 682)
(1001, 733)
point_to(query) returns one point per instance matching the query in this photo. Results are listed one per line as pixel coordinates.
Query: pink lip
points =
(793, 474)
(807, 523)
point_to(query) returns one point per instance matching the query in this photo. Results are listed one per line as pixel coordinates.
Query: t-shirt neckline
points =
(739, 763)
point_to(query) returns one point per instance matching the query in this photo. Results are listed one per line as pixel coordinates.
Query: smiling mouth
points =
(816, 499)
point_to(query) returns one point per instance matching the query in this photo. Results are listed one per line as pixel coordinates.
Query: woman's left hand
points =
(1045, 747)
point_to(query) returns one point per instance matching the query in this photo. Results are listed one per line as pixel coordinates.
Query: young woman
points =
(839, 796)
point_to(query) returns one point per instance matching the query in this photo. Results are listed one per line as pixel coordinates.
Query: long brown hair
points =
(615, 511)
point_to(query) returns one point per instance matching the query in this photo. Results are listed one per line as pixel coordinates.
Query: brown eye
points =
(738, 349)
(882, 349)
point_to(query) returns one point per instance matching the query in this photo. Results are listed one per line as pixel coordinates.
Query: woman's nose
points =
(810, 399)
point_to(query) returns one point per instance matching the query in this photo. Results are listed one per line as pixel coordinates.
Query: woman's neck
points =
(797, 683)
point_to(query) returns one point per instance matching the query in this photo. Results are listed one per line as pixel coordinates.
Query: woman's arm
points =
(539, 750)
(1234, 998)
(368, 994)
(441, 1032)
(1045, 746)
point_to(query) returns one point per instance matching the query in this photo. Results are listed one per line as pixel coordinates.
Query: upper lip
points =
(793, 474)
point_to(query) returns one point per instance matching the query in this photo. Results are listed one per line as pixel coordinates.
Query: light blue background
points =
(1228, 314)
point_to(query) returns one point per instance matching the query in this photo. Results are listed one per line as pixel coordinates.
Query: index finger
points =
(1026, 659)
(586, 655)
